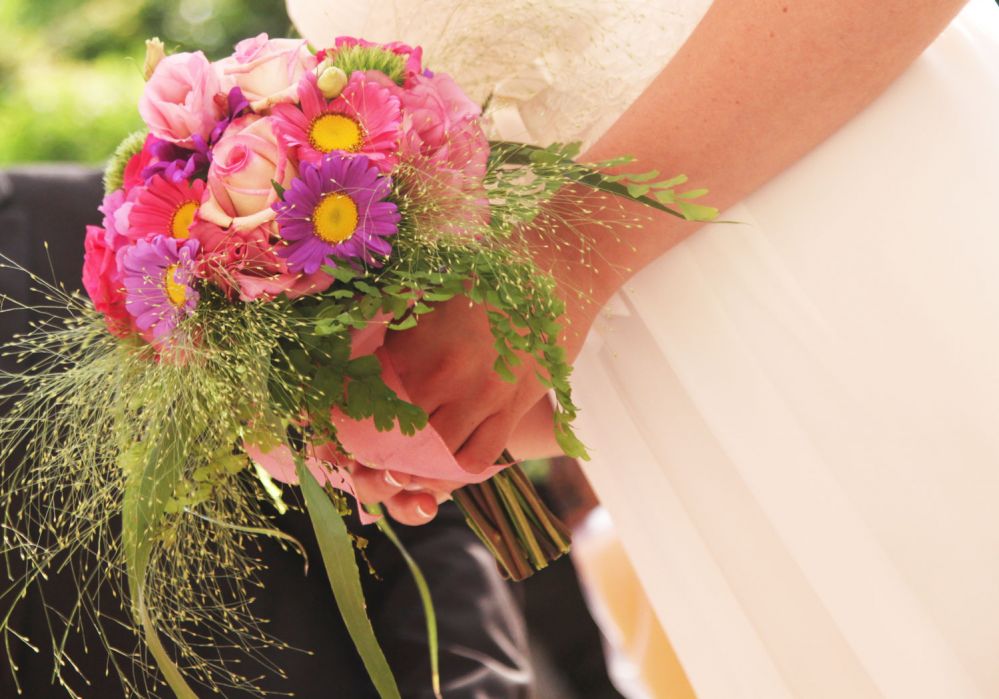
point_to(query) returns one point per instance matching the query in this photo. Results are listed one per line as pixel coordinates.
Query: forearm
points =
(757, 86)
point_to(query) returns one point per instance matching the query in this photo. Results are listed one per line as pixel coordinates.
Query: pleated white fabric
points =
(795, 421)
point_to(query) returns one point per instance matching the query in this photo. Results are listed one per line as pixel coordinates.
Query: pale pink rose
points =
(245, 163)
(266, 70)
(182, 99)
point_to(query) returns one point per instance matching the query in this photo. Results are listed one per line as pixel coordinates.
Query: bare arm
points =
(758, 85)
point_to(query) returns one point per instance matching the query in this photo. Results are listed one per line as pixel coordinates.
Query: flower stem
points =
(508, 515)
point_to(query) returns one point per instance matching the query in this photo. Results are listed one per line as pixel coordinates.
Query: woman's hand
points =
(446, 365)
(408, 499)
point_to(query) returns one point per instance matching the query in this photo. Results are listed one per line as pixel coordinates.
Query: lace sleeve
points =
(553, 70)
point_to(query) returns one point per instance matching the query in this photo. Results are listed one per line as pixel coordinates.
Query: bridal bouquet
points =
(284, 210)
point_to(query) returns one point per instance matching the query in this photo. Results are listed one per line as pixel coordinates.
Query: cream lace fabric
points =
(557, 70)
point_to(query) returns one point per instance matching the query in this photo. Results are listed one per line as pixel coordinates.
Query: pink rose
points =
(246, 263)
(102, 281)
(245, 161)
(445, 144)
(180, 100)
(434, 107)
(266, 70)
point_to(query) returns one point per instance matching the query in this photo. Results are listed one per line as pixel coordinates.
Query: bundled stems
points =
(508, 515)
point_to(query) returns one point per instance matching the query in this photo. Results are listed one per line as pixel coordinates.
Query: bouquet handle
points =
(509, 517)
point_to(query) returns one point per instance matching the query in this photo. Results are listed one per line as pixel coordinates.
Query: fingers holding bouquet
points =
(446, 364)
(408, 499)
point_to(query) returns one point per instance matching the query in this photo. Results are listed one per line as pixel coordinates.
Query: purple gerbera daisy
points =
(336, 211)
(158, 276)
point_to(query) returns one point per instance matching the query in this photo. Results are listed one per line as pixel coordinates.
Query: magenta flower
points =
(336, 211)
(365, 119)
(165, 207)
(158, 276)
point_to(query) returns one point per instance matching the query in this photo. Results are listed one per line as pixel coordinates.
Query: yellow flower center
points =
(175, 291)
(329, 132)
(182, 219)
(335, 218)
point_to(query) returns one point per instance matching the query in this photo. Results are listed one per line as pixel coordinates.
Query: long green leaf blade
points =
(425, 599)
(345, 579)
(151, 476)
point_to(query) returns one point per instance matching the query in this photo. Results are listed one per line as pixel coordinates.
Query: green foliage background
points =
(70, 70)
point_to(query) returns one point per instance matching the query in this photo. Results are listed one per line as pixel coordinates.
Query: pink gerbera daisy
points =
(365, 119)
(165, 208)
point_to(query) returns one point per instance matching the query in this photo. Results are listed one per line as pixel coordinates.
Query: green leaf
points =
(436, 296)
(152, 474)
(360, 403)
(670, 183)
(544, 157)
(396, 305)
(411, 418)
(693, 194)
(644, 176)
(425, 599)
(405, 324)
(337, 550)
(369, 306)
(364, 367)
(328, 326)
(638, 190)
(279, 189)
(697, 212)
(341, 274)
(368, 289)
(665, 196)
(570, 443)
(501, 367)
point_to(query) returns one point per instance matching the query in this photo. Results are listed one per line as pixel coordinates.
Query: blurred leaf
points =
(345, 580)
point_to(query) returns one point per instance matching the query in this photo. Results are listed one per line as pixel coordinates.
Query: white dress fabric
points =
(794, 422)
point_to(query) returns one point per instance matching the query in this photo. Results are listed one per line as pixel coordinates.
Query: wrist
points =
(581, 253)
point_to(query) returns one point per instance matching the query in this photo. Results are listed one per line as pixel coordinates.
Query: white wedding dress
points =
(794, 422)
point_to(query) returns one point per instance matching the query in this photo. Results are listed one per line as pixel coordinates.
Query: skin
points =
(758, 85)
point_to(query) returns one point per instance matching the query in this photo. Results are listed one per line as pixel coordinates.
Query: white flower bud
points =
(331, 82)
(155, 52)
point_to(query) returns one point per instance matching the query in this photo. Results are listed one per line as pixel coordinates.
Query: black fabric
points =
(483, 640)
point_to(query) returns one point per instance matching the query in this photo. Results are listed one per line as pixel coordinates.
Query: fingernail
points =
(390, 479)
(423, 513)
(412, 487)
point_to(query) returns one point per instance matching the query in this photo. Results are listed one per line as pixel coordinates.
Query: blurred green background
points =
(70, 70)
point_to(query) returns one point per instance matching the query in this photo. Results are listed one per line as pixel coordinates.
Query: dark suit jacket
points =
(483, 640)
